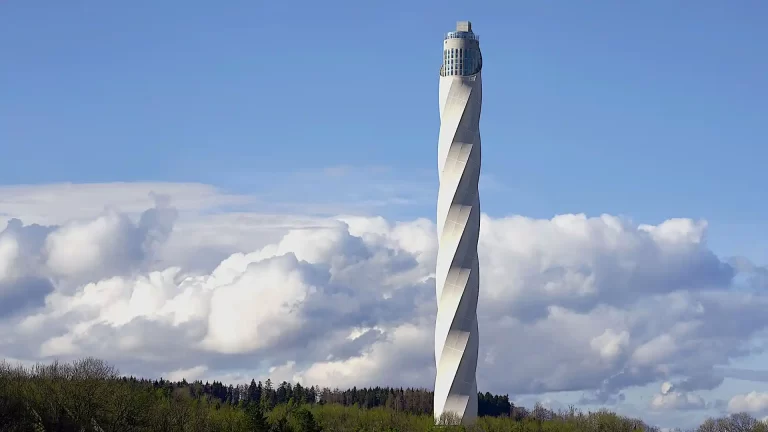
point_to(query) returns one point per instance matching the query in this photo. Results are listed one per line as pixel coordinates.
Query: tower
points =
(458, 225)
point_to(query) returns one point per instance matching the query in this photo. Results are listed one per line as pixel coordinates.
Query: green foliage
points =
(257, 420)
(90, 396)
(305, 421)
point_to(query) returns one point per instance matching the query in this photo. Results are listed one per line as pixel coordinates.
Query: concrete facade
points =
(458, 224)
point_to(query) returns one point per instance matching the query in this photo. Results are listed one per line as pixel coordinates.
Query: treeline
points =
(89, 395)
(410, 400)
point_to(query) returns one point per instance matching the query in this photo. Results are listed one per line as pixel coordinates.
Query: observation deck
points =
(462, 35)
(461, 52)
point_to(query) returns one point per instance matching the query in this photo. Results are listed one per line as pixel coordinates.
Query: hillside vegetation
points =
(90, 395)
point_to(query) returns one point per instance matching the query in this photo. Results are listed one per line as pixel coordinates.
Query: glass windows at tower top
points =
(461, 61)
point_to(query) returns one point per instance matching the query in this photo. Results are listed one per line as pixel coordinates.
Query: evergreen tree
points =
(306, 421)
(390, 402)
(267, 396)
(299, 394)
(280, 425)
(254, 394)
(256, 419)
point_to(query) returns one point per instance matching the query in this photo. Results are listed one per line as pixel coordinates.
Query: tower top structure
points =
(463, 31)
(461, 52)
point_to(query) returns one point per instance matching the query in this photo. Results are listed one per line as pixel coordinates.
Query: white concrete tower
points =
(458, 225)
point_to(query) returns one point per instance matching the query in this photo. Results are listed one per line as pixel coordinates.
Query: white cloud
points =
(9, 250)
(189, 374)
(259, 307)
(669, 399)
(752, 402)
(53, 204)
(596, 305)
(80, 247)
(610, 344)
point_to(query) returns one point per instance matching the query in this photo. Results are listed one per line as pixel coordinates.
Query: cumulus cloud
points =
(671, 399)
(9, 250)
(54, 204)
(752, 402)
(610, 344)
(279, 286)
(189, 374)
(22, 277)
(573, 303)
(108, 245)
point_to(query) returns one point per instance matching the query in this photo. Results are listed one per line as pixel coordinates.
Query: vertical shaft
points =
(458, 224)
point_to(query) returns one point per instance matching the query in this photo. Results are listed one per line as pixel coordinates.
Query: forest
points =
(89, 395)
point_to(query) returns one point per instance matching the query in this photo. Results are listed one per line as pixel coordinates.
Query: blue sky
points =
(650, 110)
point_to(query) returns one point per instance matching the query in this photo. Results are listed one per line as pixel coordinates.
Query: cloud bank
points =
(597, 305)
